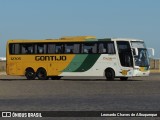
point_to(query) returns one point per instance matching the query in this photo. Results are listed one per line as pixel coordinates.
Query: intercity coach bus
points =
(77, 56)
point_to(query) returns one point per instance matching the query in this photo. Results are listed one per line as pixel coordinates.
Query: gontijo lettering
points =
(50, 58)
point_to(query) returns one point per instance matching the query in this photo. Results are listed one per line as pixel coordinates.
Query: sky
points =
(46, 19)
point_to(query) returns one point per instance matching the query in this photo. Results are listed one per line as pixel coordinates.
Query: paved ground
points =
(79, 94)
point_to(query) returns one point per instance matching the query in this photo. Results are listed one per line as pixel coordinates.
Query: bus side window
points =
(107, 47)
(14, 48)
(30, 49)
(11, 49)
(69, 48)
(23, 49)
(85, 51)
(41, 48)
(102, 48)
(51, 48)
(90, 47)
(76, 48)
(59, 48)
(110, 48)
(27, 49)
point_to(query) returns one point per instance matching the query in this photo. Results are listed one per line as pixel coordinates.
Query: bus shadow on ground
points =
(95, 79)
(100, 80)
(6, 79)
(66, 79)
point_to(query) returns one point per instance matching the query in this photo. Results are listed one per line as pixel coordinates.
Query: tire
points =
(30, 74)
(56, 77)
(109, 73)
(124, 78)
(42, 74)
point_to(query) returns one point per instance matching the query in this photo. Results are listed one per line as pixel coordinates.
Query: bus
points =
(77, 56)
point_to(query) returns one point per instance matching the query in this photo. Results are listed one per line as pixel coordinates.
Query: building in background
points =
(155, 63)
(2, 64)
(2, 58)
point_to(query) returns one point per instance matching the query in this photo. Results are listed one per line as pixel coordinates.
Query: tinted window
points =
(89, 47)
(69, 48)
(123, 46)
(51, 48)
(76, 48)
(40, 48)
(72, 48)
(14, 48)
(63, 48)
(59, 48)
(107, 47)
(27, 48)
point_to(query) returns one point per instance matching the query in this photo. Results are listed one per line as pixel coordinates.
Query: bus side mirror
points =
(150, 52)
(135, 51)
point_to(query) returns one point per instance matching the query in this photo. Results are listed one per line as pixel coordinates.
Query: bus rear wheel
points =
(41, 74)
(30, 74)
(109, 73)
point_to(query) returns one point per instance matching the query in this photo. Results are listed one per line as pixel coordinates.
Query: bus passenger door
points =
(125, 58)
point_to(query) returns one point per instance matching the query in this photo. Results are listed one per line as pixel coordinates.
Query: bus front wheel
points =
(30, 74)
(41, 74)
(109, 73)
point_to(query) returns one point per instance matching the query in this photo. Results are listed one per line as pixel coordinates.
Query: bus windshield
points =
(142, 58)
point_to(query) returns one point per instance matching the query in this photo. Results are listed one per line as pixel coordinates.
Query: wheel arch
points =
(41, 68)
(29, 68)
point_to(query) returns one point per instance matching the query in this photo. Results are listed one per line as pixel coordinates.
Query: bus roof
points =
(62, 39)
(73, 39)
(77, 37)
(126, 39)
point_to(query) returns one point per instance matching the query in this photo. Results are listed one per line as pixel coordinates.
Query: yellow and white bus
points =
(77, 56)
